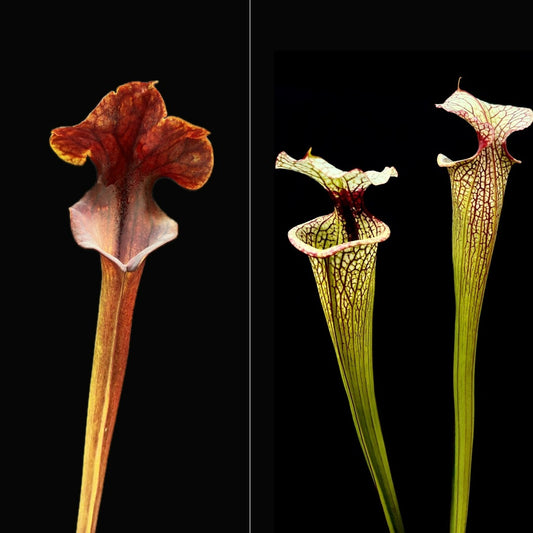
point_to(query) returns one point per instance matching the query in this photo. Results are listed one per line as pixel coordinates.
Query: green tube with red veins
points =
(342, 248)
(477, 186)
(132, 143)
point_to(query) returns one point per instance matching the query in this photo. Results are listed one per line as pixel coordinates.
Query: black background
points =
(369, 109)
(179, 457)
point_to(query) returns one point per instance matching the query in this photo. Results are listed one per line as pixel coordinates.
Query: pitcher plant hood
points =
(132, 142)
(350, 224)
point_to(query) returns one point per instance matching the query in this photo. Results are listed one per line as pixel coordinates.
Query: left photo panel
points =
(127, 241)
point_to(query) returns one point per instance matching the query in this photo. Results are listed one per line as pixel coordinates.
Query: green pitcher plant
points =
(342, 248)
(132, 143)
(477, 188)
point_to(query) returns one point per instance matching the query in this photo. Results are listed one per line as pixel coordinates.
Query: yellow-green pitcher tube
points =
(477, 189)
(348, 304)
(342, 248)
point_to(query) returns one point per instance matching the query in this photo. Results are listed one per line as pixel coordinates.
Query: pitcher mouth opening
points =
(98, 224)
(299, 238)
